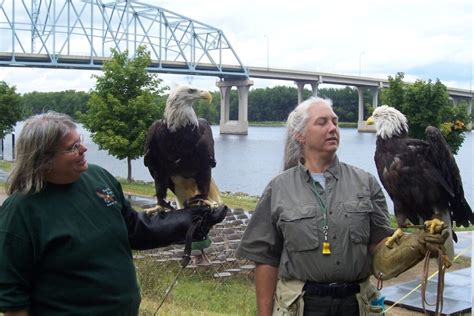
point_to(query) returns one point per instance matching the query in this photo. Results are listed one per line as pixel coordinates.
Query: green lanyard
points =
(326, 248)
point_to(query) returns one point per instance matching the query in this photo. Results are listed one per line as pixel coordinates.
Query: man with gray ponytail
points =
(66, 229)
(314, 230)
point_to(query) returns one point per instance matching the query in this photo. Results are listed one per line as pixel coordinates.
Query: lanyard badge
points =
(325, 228)
(326, 245)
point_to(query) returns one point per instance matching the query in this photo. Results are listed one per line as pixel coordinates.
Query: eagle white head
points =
(179, 110)
(388, 122)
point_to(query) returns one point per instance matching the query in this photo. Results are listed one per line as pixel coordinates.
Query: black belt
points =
(339, 290)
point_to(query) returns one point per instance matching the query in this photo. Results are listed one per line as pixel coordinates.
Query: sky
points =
(425, 39)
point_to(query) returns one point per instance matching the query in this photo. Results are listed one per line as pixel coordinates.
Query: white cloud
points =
(423, 38)
(45, 80)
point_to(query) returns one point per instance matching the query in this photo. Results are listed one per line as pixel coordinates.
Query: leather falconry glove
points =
(407, 252)
(147, 231)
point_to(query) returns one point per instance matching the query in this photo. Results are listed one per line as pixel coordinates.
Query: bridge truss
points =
(80, 35)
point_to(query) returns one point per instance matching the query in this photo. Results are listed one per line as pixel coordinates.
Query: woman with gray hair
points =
(34, 158)
(316, 226)
(296, 123)
(66, 229)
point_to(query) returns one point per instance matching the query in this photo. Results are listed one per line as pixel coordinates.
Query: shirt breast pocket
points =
(358, 213)
(299, 228)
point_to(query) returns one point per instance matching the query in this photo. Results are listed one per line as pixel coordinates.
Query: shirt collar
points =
(333, 170)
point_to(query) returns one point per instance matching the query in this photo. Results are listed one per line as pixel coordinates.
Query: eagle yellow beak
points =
(206, 96)
(370, 121)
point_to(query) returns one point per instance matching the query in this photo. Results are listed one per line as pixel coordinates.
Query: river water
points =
(246, 163)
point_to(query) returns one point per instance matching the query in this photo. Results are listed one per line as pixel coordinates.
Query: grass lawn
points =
(6, 165)
(195, 293)
(232, 200)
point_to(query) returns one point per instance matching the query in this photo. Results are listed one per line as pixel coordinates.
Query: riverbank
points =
(248, 163)
(142, 193)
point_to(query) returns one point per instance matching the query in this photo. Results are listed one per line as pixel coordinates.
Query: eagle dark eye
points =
(192, 90)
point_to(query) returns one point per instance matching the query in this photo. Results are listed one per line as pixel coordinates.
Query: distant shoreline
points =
(282, 123)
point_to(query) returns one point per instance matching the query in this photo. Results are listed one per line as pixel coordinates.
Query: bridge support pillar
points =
(454, 100)
(240, 126)
(469, 112)
(301, 84)
(361, 125)
(375, 97)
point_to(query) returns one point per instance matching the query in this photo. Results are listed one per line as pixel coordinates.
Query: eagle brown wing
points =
(402, 169)
(155, 159)
(207, 140)
(443, 160)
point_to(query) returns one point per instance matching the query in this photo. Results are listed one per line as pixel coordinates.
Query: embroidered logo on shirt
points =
(107, 195)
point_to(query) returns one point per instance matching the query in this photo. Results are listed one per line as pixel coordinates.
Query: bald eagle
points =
(420, 176)
(179, 152)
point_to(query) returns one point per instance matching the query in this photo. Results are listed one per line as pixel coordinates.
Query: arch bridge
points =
(75, 34)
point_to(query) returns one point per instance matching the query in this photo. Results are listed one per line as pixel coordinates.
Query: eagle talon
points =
(395, 238)
(434, 226)
(154, 210)
(200, 202)
(161, 206)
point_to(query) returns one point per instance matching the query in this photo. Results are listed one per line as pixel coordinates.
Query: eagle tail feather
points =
(186, 189)
(462, 212)
(449, 244)
(214, 193)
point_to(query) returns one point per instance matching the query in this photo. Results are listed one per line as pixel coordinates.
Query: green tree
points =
(272, 104)
(34, 103)
(69, 102)
(125, 102)
(395, 95)
(454, 125)
(345, 102)
(9, 108)
(425, 103)
(207, 111)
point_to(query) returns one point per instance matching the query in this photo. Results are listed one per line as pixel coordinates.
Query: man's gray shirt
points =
(285, 230)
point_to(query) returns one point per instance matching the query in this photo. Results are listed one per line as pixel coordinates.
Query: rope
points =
(417, 287)
(440, 284)
(169, 290)
(185, 261)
